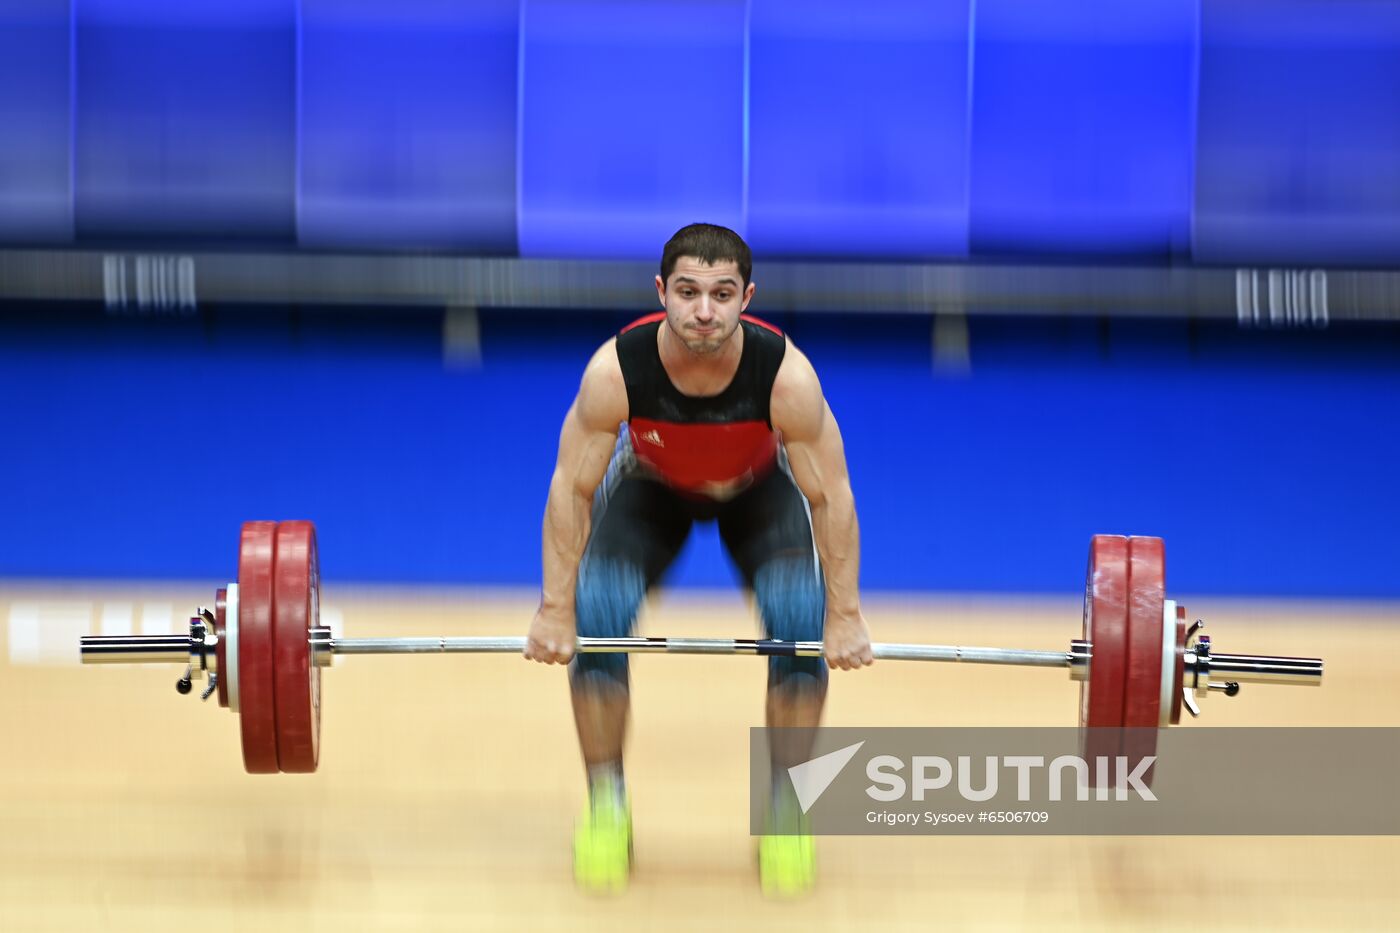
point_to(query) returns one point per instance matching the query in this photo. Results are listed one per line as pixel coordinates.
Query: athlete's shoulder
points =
(798, 404)
(602, 393)
(603, 367)
(796, 375)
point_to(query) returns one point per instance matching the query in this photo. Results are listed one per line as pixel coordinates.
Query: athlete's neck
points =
(699, 374)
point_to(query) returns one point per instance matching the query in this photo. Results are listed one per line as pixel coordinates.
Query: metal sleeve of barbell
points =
(134, 649)
(1265, 669)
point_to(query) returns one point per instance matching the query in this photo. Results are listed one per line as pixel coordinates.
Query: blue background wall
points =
(1267, 460)
(1224, 131)
(36, 201)
(1160, 131)
(407, 124)
(1299, 131)
(182, 121)
(1083, 116)
(858, 128)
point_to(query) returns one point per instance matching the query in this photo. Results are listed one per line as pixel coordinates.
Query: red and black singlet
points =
(714, 445)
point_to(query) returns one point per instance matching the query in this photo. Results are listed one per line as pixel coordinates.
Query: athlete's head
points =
(704, 285)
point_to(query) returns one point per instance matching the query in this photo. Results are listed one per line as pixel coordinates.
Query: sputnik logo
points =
(811, 778)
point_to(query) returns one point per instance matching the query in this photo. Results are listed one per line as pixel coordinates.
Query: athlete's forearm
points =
(837, 535)
(567, 516)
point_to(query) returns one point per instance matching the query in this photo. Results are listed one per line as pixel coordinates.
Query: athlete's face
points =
(703, 302)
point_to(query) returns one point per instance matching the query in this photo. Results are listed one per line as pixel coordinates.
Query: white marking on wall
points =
(156, 619)
(24, 633)
(1289, 298)
(154, 284)
(118, 619)
(48, 632)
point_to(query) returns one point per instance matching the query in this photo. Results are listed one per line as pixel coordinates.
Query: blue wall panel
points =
(186, 117)
(407, 124)
(1082, 123)
(1299, 141)
(1266, 460)
(36, 195)
(858, 121)
(632, 120)
(595, 128)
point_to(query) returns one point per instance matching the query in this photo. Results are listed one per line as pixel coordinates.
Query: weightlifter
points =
(698, 413)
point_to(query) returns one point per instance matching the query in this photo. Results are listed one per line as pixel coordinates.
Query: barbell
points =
(262, 647)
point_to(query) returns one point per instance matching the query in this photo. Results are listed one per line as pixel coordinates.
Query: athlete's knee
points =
(791, 599)
(792, 603)
(607, 597)
(606, 601)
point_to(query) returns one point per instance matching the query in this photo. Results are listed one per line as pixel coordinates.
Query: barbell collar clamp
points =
(1080, 652)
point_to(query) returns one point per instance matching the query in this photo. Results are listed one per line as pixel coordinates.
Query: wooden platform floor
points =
(449, 786)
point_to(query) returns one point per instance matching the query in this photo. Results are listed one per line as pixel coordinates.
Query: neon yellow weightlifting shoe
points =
(603, 843)
(787, 865)
(787, 859)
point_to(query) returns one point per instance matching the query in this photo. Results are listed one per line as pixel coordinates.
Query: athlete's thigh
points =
(769, 523)
(637, 523)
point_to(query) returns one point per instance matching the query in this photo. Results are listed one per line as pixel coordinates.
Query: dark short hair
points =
(710, 244)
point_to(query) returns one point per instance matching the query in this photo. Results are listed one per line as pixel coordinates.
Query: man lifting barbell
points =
(721, 419)
(725, 421)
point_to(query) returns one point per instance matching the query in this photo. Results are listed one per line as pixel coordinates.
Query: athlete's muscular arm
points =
(818, 461)
(585, 446)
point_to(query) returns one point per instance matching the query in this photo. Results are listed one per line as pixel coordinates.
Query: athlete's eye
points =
(721, 296)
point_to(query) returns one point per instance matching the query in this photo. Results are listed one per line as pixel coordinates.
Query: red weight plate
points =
(1180, 664)
(1142, 683)
(256, 690)
(220, 606)
(1106, 630)
(295, 607)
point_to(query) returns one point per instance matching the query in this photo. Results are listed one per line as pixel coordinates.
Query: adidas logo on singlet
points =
(652, 437)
